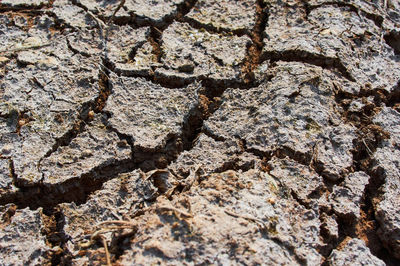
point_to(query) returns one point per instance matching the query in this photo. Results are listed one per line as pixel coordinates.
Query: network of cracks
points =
(200, 132)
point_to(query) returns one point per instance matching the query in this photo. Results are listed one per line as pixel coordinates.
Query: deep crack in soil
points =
(370, 137)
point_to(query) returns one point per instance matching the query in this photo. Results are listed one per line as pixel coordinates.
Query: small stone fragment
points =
(91, 114)
(28, 57)
(3, 60)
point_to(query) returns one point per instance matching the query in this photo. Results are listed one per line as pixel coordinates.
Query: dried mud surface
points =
(191, 132)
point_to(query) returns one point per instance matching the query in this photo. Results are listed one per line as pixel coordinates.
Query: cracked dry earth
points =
(221, 132)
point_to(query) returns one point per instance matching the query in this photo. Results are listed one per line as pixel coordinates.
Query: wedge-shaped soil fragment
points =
(303, 181)
(236, 16)
(93, 149)
(190, 53)
(209, 155)
(128, 51)
(149, 113)
(72, 15)
(155, 12)
(375, 11)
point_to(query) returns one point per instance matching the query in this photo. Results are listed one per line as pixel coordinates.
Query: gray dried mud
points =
(193, 132)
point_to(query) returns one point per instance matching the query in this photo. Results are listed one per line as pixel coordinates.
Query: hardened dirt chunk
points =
(21, 237)
(294, 114)
(225, 15)
(354, 252)
(387, 165)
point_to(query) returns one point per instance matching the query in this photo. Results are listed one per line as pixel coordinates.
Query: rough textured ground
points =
(256, 132)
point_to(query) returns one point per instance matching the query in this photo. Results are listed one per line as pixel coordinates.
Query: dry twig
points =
(19, 49)
(314, 155)
(175, 210)
(368, 149)
(101, 24)
(120, 222)
(121, 4)
(247, 217)
(191, 179)
(106, 227)
(106, 251)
